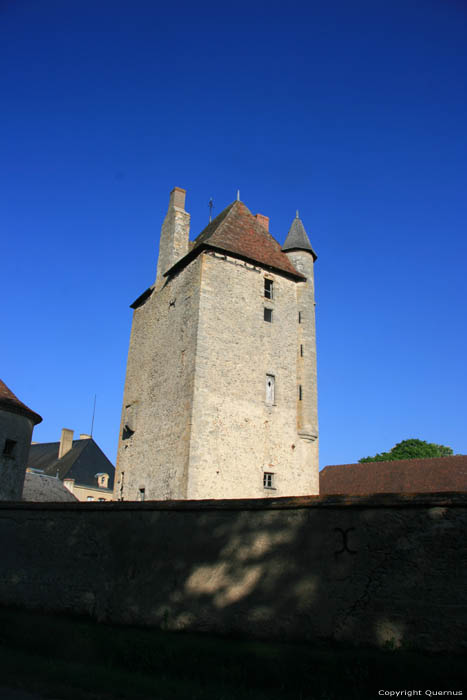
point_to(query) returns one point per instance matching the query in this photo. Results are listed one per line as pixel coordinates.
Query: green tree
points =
(411, 449)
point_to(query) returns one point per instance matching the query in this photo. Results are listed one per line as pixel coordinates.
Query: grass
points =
(76, 659)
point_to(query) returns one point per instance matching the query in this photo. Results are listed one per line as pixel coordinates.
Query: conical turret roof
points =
(297, 238)
(236, 231)
(10, 402)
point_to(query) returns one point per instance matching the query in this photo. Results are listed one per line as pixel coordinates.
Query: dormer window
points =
(268, 289)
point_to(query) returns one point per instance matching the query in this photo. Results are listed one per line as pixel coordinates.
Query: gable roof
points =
(40, 487)
(237, 232)
(399, 476)
(81, 463)
(10, 402)
(297, 238)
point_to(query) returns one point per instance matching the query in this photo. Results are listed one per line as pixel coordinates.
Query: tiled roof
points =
(10, 402)
(400, 476)
(297, 238)
(236, 231)
(40, 487)
(81, 463)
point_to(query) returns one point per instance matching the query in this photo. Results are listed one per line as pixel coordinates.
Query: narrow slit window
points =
(299, 316)
(268, 480)
(268, 289)
(301, 350)
(270, 389)
(300, 392)
(268, 315)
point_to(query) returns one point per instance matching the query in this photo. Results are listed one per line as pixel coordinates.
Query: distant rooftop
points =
(82, 462)
(40, 487)
(432, 475)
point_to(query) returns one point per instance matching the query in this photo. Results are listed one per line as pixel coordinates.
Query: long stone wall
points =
(384, 570)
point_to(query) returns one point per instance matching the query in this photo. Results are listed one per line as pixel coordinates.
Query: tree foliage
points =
(411, 449)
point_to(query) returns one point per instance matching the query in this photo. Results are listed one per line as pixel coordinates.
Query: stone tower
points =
(16, 425)
(220, 396)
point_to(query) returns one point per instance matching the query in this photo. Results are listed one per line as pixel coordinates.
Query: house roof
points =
(399, 476)
(10, 402)
(297, 238)
(81, 463)
(237, 232)
(40, 487)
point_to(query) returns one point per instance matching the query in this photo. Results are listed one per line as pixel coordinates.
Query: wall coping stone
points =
(380, 500)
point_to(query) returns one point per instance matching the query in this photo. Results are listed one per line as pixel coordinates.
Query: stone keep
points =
(220, 396)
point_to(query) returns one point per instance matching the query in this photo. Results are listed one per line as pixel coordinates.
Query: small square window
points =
(268, 480)
(268, 288)
(9, 448)
(268, 315)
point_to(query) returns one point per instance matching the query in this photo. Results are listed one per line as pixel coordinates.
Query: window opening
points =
(268, 288)
(268, 315)
(299, 316)
(301, 350)
(268, 480)
(270, 389)
(9, 448)
(300, 392)
(142, 494)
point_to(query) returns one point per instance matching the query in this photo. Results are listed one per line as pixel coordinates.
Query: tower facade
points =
(220, 396)
(17, 422)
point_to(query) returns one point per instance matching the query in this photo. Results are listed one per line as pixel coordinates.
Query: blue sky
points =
(354, 113)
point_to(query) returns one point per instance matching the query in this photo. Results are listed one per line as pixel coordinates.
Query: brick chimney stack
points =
(263, 220)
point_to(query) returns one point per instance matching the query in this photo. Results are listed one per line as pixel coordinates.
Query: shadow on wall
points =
(364, 574)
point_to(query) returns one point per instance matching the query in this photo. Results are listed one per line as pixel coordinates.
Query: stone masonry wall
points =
(385, 570)
(157, 404)
(236, 435)
(16, 428)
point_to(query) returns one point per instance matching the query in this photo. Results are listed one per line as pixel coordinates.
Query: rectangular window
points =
(268, 288)
(142, 494)
(268, 480)
(9, 448)
(301, 350)
(300, 392)
(299, 316)
(270, 389)
(268, 315)
(90, 498)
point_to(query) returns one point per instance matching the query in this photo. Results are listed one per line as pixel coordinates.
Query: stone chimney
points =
(66, 442)
(175, 232)
(263, 220)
